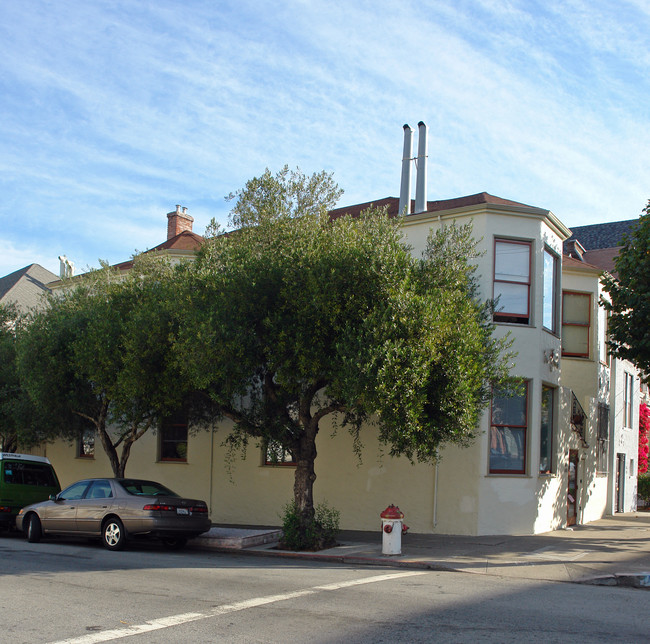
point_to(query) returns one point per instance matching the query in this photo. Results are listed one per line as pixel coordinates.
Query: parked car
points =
(24, 479)
(114, 510)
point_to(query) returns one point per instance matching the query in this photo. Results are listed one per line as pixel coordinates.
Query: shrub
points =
(643, 490)
(320, 534)
(644, 436)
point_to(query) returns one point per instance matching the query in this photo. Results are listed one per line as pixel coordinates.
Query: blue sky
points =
(113, 111)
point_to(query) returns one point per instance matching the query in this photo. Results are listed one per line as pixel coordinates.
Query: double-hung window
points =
(576, 320)
(628, 398)
(508, 432)
(602, 449)
(512, 281)
(549, 309)
(173, 438)
(546, 431)
(603, 350)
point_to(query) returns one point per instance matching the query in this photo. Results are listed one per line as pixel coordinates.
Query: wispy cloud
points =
(114, 112)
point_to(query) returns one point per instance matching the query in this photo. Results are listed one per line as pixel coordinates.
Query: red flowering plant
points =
(644, 436)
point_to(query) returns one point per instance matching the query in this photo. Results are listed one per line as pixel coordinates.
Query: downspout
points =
(435, 498)
(211, 465)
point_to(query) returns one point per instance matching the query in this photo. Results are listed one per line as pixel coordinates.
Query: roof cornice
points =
(477, 209)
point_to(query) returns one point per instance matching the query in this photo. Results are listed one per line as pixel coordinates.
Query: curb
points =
(626, 580)
(349, 559)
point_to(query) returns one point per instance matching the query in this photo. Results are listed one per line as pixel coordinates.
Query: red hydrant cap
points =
(392, 512)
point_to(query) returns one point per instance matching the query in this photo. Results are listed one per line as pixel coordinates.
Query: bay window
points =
(512, 281)
(508, 432)
(546, 431)
(549, 309)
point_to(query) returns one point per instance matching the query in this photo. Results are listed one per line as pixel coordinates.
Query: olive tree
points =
(295, 317)
(11, 395)
(98, 357)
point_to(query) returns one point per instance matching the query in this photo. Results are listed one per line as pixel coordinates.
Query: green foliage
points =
(11, 395)
(294, 317)
(287, 195)
(319, 532)
(643, 491)
(99, 357)
(629, 293)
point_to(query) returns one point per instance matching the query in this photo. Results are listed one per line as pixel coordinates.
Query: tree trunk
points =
(110, 450)
(126, 451)
(303, 487)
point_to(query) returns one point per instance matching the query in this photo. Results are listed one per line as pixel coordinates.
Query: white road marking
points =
(551, 554)
(368, 580)
(176, 620)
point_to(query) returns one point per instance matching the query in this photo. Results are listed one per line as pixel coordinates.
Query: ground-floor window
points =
(173, 438)
(546, 430)
(508, 431)
(276, 454)
(602, 447)
(86, 444)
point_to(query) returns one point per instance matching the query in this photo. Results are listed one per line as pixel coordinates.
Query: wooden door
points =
(572, 491)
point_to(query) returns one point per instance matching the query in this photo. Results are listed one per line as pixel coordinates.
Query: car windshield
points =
(145, 488)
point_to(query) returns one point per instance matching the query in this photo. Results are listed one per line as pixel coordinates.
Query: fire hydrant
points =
(392, 529)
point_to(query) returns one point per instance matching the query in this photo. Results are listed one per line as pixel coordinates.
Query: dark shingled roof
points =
(596, 236)
(25, 286)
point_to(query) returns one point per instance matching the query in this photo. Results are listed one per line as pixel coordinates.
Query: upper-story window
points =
(628, 398)
(549, 315)
(512, 281)
(576, 319)
(603, 350)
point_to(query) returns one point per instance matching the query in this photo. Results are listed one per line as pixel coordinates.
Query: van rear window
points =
(25, 473)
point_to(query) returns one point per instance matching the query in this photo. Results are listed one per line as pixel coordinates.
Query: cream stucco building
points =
(559, 453)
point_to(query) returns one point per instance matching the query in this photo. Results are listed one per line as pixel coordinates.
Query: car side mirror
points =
(54, 497)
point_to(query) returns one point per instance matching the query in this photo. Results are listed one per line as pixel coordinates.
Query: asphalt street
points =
(79, 593)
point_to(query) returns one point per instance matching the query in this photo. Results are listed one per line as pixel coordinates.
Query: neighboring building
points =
(592, 250)
(603, 395)
(599, 244)
(558, 453)
(26, 287)
(181, 244)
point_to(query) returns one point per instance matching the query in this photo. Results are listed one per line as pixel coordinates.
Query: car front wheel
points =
(34, 531)
(114, 534)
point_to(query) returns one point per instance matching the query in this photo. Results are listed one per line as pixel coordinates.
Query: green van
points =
(24, 479)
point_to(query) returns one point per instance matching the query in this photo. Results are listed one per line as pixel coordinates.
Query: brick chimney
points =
(573, 248)
(178, 221)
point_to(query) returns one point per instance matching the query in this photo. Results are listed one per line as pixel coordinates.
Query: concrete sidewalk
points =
(611, 551)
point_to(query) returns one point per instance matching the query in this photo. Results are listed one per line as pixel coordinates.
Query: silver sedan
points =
(114, 510)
